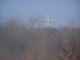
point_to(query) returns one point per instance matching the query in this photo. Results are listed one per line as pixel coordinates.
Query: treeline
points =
(32, 42)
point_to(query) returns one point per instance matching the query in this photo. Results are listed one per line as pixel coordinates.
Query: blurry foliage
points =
(35, 43)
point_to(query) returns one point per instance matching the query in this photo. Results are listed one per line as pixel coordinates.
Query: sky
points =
(62, 11)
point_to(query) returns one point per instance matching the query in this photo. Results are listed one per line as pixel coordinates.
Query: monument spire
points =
(48, 20)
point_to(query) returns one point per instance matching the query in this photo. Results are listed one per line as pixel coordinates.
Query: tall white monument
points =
(48, 20)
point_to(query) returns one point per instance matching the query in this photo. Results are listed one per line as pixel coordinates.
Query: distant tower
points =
(48, 20)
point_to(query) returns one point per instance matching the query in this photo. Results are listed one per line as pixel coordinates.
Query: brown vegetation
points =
(35, 43)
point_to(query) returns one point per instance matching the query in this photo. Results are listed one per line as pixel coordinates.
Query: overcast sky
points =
(62, 11)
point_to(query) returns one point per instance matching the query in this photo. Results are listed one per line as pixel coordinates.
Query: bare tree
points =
(70, 45)
(35, 21)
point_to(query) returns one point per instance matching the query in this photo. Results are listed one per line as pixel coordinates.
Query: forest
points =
(34, 42)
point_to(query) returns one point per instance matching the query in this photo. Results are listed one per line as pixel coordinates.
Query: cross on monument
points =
(48, 20)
